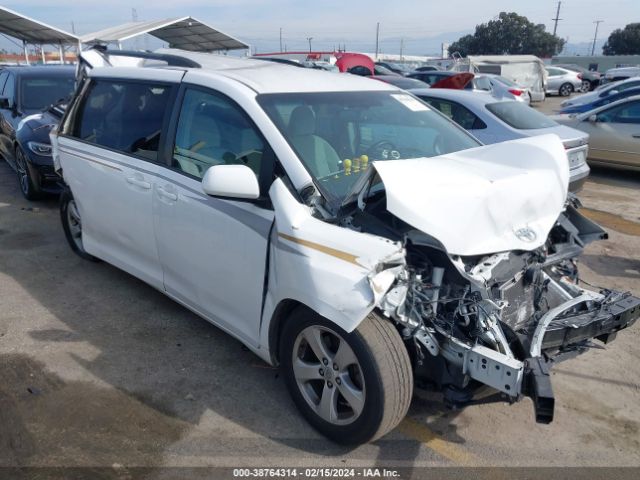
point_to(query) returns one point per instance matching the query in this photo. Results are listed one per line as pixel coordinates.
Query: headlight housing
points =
(38, 148)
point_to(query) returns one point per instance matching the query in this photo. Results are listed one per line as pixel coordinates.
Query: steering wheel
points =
(383, 150)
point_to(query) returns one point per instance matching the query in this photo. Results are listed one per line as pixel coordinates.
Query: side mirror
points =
(4, 103)
(593, 118)
(231, 181)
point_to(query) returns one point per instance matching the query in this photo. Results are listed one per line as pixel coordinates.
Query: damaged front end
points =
(501, 320)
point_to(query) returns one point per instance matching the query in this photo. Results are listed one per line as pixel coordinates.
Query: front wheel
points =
(565, 89)
(72, 225)
(25, 180)
(586, 86)
(352, 387)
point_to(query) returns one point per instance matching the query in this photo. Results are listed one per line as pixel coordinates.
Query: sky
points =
(418, 25)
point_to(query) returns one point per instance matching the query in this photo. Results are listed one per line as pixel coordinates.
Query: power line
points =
(555, 25)
(595, 36)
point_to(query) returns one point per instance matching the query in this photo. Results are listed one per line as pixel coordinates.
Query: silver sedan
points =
(493, 120)
(563, 82)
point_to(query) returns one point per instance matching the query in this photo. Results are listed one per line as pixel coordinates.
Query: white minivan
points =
(339, 227)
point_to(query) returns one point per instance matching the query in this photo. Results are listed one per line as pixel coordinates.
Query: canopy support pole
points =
(26, 51)
(42, 54)
(61, 51)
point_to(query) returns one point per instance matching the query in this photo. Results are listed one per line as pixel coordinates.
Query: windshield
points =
(520, 116)
(337, 135)
(38, 93)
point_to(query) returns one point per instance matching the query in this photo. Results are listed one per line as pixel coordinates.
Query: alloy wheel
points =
(328, 375)
(586, 86)
(75, 224)
(23, 174)
(565, 90)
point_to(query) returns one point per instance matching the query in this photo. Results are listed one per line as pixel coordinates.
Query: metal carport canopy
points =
(31, 31)
(185, 33)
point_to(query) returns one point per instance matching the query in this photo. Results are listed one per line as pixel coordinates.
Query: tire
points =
(72, 225)
(586, 86)
(376, 375)
(565, 89)
(25, 180)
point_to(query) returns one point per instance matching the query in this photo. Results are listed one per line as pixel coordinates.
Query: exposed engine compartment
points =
(496, 320)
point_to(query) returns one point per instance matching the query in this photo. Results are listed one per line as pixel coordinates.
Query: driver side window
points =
(626, 113)
(212, 130)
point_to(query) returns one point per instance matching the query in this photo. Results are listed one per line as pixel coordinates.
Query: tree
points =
(623, 41)
(510, 34)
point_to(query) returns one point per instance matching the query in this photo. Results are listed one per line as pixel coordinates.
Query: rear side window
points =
(123, 116)
(456, 112)
(520, 116)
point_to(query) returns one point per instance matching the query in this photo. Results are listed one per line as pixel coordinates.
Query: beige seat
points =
(317, 154)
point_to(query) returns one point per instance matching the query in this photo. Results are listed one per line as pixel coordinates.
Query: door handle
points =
(163, 193)
(636, 135)
(138, 183)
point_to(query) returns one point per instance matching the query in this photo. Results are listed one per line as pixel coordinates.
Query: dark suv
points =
(27, 114)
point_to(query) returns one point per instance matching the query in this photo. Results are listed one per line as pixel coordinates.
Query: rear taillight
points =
(516, 92)
(580, 76)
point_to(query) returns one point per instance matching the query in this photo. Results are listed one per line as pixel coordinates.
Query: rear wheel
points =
(565, 89)
(352, 387)
(72, 225)
(27, 185)
(586, 86)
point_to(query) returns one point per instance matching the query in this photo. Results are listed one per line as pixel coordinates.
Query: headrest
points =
(302, 121)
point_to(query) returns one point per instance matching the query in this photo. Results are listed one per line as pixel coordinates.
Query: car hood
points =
(582, 99)
(490, 199)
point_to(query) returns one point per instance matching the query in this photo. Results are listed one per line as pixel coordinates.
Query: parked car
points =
(613, 96)
(614, 133)
(401, 82)
(501, 87)
(301, 213)
(492, 120)
(617, 74)
(26, 91)
(602, 92)
(427, 68)
(590, 79)
(398, 68)
(563, 82)
(431, 77)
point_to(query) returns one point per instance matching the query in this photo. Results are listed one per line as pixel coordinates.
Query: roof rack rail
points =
(172, 60)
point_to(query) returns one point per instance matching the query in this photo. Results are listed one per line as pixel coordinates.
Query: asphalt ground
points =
(99, 370)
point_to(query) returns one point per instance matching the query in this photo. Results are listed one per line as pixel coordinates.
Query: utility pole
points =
(134, 18)
(377, 38)
(281, 39)
(309, 40)
(555, 25)
(595, 36)
(401, 47)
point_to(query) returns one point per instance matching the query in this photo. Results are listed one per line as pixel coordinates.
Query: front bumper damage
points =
(557, 337)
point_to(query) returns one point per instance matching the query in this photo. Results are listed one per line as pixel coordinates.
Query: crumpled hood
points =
(490, 199)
